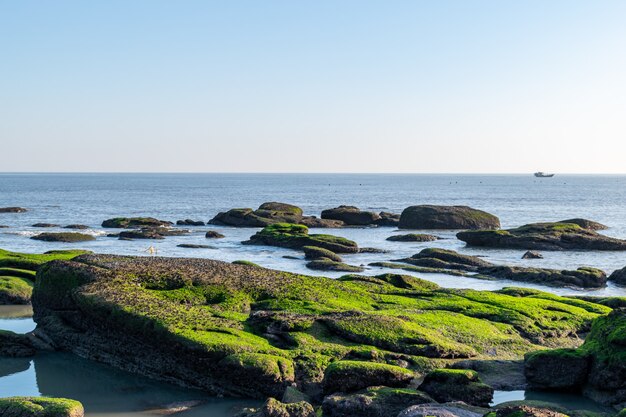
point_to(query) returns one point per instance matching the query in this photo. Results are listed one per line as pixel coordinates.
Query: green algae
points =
(40, 407)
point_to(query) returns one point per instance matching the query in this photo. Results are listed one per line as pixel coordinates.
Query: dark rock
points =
(448, 259)
(76, 226)
(439, 410)
(350, 376)
(130, 222)
(412, 237)
(151, 233)
(45, 225)
(560, 369)
(388, 219)
(525, 411)
(502, 375)
(586, 224)
(3, 226)
(351, 216)
(312, 221)
(13, 210)
(325, 264)
(543, 236)
(457, 385)
(267, 214)
(297, 236)
(189, 222)
(372, 250)
(313, 252)
(584, 277)
(15, 345)
(212, 234)
(194, 246)
(597, 368)
(66, 237)
(373, 402)
(531, 254)
(446, 217)
(275, 408)
(618, 277)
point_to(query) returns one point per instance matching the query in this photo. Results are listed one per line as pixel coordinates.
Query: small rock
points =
(13, 210)
(457, 385)
(412, 237)
(189, 222)
(193, 246)
(66, 237)
(531, 254)
(618, 277)
(45, 225)
(212, 234)
(76, 226)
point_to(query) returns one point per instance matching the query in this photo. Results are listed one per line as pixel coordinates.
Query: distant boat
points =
(543, 175)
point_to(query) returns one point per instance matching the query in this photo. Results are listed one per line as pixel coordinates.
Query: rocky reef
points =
(40, 407)
(543, 236)
(443, 260)
(250, 331)
(446, 217)
(597, 368)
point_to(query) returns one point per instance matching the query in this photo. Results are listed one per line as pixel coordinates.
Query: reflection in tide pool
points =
(17, 319)
(104, 391)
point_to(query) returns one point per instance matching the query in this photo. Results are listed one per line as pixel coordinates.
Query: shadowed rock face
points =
(250, 331)
(543, 236)
(597, 368)
(618, 277)
(446, 217)
(351, 215)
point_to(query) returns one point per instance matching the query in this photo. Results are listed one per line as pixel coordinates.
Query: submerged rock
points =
(66, 237)
(194, 246)
(45, 225)
(212, 234)
(351, 216)
(296, 236)
(412, 237)
(150, 233)
(543, 236)
(40, 407)
(446, 217)
(446, 385)
(76, 226)
(189, 222)
(13, 210)
(373, 402)
(130, 222)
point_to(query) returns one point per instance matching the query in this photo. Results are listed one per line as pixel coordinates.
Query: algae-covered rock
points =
(189, 222)
(325, 264)
(351, 216)
(296, 236)
(44, 225)
(66, 237)
(447, 259)
(151, 233)
(446, 217)
(313, 252)
(412, 237)
(40, 407)
(457, 385)
(350, 376)
(373, 402)
(250, 331)
(17, 273)
(265, 215)
(440, 410)
(76, 226)
(585, 224)
(543, 236)
(129, 222)
(275, 408)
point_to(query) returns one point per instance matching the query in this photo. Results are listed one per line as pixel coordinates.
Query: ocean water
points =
(517, 199)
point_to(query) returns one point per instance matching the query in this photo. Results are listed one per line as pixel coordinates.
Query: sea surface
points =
(91, 198)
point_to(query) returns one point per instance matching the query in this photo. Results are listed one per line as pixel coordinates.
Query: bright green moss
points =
(244, 262)
(15, 290)
(40, 407)
(279, 367)
(296, 236)
(31, 261)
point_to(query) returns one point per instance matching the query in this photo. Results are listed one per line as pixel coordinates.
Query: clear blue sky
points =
(313, 86)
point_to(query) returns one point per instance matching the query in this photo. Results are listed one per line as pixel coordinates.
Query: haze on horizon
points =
(323, 86)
